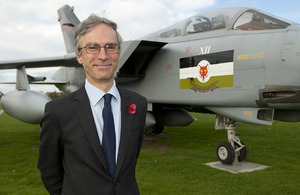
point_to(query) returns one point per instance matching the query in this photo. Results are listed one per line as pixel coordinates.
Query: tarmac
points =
(235, 168)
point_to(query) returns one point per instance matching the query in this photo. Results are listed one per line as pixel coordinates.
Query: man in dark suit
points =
(73, 154)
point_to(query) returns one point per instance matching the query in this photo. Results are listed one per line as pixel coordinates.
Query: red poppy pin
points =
(132, 108)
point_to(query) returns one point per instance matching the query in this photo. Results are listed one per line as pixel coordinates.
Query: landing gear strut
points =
(233, 151)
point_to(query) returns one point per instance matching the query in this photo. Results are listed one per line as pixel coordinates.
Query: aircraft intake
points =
(25, 105)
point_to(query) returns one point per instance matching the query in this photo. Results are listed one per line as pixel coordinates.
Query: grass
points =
(18, 158)
(173, 162)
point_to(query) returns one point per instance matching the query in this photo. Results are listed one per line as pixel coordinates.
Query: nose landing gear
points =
(233, 151)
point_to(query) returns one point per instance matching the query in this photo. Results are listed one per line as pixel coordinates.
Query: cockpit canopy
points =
(249, 20)
(253, 20)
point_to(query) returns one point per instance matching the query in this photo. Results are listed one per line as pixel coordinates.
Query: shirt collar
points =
(96, 94)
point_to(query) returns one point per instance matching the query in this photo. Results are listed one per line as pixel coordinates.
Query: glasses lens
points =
(111, 48)
(92, 48)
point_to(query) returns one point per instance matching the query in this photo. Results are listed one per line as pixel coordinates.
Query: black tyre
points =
(225, 153)
(157, 129)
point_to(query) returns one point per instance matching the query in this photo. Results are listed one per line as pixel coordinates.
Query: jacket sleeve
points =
(143, 121)
(51, 152)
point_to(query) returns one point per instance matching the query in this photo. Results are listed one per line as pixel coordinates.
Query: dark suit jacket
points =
(71, 159)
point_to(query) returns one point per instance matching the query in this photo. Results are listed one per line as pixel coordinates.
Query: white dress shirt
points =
(97, 103)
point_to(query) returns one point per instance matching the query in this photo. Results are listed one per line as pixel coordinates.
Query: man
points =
(73, 154)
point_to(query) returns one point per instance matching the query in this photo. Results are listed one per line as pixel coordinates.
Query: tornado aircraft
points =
(240, 63)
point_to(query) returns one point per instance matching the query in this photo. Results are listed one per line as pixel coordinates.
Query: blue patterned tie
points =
(109, 137)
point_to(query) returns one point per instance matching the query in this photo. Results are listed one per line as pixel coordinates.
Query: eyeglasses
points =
(94, 48)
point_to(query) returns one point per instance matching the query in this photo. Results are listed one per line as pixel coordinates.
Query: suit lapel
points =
(126, 122)
(85, 116)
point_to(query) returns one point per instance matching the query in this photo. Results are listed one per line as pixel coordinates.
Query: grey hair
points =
(87, 25)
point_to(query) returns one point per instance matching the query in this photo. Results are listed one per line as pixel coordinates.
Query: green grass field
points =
(172, 163)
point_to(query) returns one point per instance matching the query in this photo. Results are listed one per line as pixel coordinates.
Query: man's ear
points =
(79, 59)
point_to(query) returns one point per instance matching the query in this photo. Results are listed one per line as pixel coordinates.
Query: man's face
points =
(99, 68)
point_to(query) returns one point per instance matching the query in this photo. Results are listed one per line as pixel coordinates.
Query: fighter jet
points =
(240, 63)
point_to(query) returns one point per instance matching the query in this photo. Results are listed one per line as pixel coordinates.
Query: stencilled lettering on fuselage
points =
(205, 50)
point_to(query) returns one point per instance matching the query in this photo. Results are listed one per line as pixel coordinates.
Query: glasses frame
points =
(105, 47)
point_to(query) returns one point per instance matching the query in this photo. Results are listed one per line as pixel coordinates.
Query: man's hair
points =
(88, 24)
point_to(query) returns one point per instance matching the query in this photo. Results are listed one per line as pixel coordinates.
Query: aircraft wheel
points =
(225, 153)
(243, 153)
(157, 129)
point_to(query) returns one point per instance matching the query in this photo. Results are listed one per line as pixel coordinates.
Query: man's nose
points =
(102, 54)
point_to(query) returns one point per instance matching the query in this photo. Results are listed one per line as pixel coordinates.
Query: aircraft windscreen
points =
(208, 21)
(220, 19)
(253, 20)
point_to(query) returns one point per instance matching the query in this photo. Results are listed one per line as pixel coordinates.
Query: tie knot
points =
(107, 98)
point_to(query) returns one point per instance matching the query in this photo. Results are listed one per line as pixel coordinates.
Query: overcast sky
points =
(29, 28)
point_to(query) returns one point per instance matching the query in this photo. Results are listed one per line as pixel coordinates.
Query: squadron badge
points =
(207, 72)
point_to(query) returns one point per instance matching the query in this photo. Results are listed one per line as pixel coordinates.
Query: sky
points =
(30, 29)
